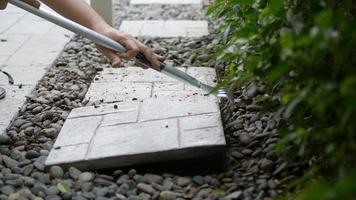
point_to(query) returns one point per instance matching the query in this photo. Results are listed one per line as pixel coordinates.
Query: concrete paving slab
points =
(134, 83)
(15, 97)
(28, 44)
(118, 92)
(166, 1)
(22, 75)
(154, 130)
(28, 27)
(165, 29)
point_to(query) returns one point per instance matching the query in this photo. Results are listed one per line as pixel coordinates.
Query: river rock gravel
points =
(253, 168)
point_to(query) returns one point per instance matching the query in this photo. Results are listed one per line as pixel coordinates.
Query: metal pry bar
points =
(114, 45)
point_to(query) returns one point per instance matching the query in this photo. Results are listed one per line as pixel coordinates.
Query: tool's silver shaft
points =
(104, 41)
(70, 25)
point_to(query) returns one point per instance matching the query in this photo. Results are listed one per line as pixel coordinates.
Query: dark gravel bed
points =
(252, 168)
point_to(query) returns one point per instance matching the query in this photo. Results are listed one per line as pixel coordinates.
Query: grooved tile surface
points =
(166, 120)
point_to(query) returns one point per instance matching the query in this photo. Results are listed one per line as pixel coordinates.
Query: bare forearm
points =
(78, 11)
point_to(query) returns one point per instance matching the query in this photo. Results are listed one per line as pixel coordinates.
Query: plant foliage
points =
(304, 53)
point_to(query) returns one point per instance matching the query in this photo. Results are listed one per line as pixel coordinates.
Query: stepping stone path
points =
(141, 116)
(165, 29)
(28, 45)
(154, 118)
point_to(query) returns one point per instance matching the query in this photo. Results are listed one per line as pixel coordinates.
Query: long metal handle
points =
(79, 29)
(108, 42)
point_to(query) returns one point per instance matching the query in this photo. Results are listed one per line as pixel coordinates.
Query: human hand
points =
(34, 3)
(133, 47)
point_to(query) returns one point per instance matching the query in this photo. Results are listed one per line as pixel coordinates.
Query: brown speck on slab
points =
(115, 106)
(96, 79)
(166, 126)
(134, 99)
(206, 94)
(20, 86)
(96, 106)
(56, 148)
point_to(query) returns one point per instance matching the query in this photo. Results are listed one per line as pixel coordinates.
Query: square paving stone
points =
(128, 133)
(165, 29)
(23, 75)
(9, 106)
(134, 83)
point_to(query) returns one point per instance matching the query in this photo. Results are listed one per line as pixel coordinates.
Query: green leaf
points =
(219, 192)
(324, 19)
(63, 186)
(243, 2)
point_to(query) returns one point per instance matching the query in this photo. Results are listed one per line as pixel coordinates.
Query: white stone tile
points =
(14, 99)
(11, 43)
(117, 92)
(189, 123)
(203, 74)
(131, 27)
(104, 109)
(28, 27)
(161, 108)
(137, 138)
(67, 154)
(5, 24)
(202, 137)
(22, 75)
(166, 2)
(44, 44)
(165, 29)
(132, 74)
(201, 130)
(3, 59)
(3, 129)
(167, 86)
(78, 131)
(13, 9)
(125, 116)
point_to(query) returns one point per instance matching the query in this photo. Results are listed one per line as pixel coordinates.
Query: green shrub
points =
(304, 54)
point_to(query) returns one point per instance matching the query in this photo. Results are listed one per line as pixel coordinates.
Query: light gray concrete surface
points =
(140, 116)
(165, 29)
(28, 45)
(134, 84)
(128, 133)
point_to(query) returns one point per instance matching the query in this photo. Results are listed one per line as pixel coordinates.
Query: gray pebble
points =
(74, 172)
(4, 139)
(7, 189)
(247, 152)
(237, 155)
(86, 176)
(167, 195)
(153, 178)
(32, 154)
(266, 165)
(132, 173)
(9, 162)
(183, 181)
(198, 180)
(146, 188)
(56, 172)
(52, 190)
